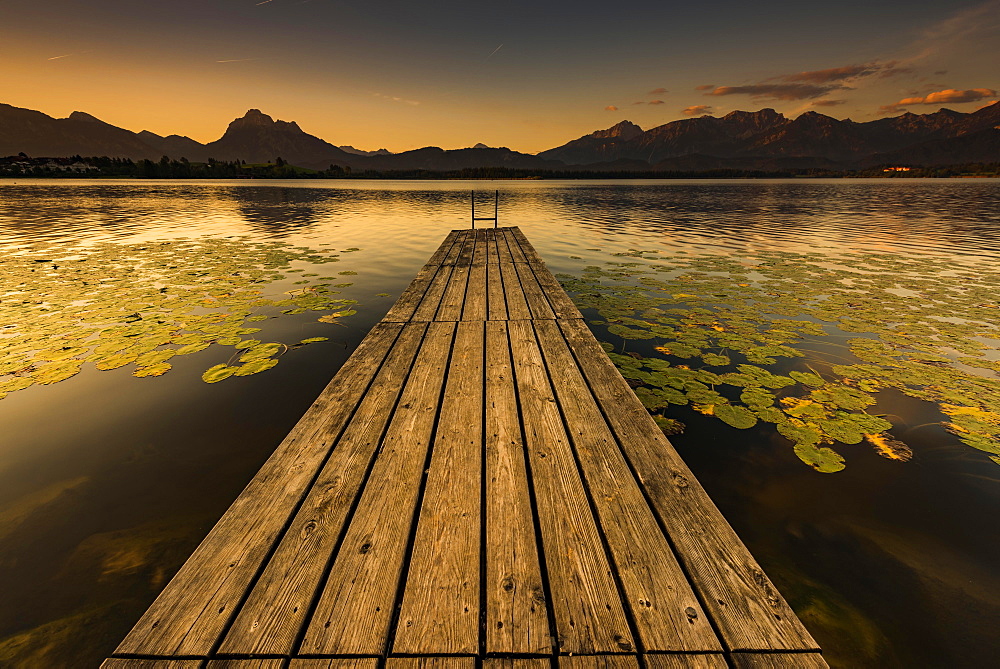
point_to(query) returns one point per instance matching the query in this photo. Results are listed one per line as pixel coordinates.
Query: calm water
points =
(107, 482)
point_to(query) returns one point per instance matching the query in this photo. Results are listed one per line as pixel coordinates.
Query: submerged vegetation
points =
(729, 338)
(141, 305)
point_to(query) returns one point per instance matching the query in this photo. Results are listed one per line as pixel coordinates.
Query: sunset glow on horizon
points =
(528, 76)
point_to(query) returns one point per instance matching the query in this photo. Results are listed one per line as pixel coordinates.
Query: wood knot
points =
(365, 547)
(679, 479)
(691, 614)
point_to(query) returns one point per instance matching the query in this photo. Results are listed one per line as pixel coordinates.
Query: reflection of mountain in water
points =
(278, 212)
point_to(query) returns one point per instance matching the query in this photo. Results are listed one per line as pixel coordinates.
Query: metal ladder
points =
(496, 208)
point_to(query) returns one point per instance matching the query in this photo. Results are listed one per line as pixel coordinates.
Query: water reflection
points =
(107, 482)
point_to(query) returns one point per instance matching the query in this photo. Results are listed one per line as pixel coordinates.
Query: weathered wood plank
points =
(404, 308)
(778, 661)
(431, 300)
(121, 663)
(599, 662)
(453, 300)
(517, 663)
(516, 618)
(468, 249)
(461, 239)
(440, 610)
(537, 302)
(245, 664)
(191, 612)
(475, 295)
(561, 303)
(276, 609)
(747, 609)
(353, 613)
(442, 251)
(479, 254)
(666, 611)
(530, 254)
(336, 663)
(430, 662)
(503, 250)
(584, 599)
(492, 252)
(685, 661)
(496, 302)
(517, 305)
(516, 254)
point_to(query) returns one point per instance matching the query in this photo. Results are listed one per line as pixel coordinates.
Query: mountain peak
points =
(255, 118)
(625, 130)
(84, 117)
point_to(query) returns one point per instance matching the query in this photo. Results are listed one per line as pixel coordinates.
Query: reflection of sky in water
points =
(107, 482)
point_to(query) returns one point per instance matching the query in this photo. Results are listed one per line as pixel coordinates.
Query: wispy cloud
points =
(827, 103)
(494, 51)
(696, 110)
(394, 98)
(846, 73)
(947, 96)
(791, 91)
(68, 55)
(658, 91)
(655, 102)
(611, 108)
(704, 87)
(236, 60)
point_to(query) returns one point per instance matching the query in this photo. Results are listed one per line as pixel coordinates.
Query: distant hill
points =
(761, 140)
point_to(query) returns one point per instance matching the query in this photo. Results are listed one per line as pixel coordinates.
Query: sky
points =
(528, 75)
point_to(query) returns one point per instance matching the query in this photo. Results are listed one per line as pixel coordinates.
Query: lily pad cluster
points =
(749, 340)
(115, 305)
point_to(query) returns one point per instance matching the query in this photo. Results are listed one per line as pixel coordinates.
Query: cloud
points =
(704, 87)
(236, 60)
(656, 102)
(695, 110)
(611, 108)
(947, 96)
(885, 69)
(827, 103)
(658, 91)
(393, 98)
(638, 102)
(793, 91)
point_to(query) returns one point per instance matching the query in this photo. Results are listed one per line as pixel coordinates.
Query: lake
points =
(874, 298)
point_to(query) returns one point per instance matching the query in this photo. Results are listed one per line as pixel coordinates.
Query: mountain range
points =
(761, 140)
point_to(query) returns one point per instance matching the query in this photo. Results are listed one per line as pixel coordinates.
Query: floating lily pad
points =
(158, 369)
(256, 366)
(217, 373)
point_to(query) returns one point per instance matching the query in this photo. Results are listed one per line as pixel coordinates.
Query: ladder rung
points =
(492, 218)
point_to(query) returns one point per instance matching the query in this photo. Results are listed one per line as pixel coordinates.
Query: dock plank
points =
(516, 254)
(517, 304)
(276, 610)
(561, 303)
(666, 611)
(685, 661)
(588, 612)
(189, 615)
(453, 300)
(517, 663)
(431, 300)
(503, 250)
(476, 295)
(529, 252)
(406, 305)
(745, 606)
(440, 610)
(128, 663)
(442, 251)
(599, 662)
(455, 251)
(779, 661)
(480, 253)
(335, 663)
(431, 662)
(354, 613)
(516, 616)
(496, 301)
(538, 303)
(492, 252)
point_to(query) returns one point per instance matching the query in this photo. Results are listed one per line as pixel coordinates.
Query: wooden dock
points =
(478, 485)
